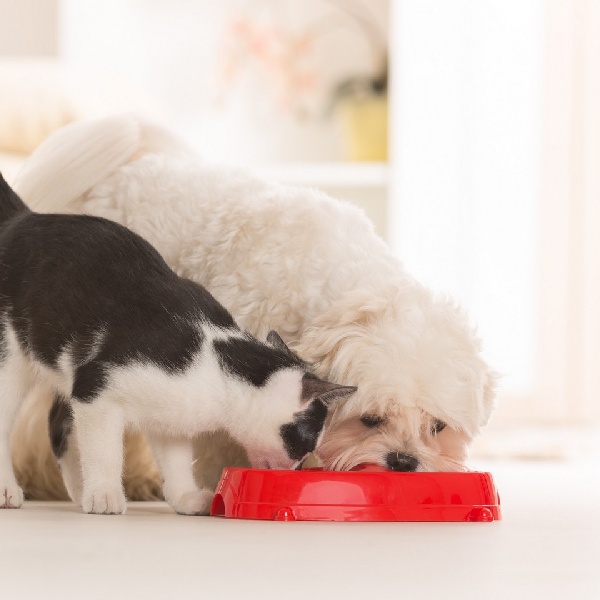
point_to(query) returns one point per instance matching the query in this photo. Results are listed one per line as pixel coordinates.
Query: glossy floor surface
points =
(546, 546)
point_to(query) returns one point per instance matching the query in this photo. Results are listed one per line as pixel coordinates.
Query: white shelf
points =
(328, 174)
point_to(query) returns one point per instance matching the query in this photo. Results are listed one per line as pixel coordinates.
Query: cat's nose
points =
(400, 461)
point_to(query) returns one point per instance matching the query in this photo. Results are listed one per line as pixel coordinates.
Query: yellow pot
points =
(364, 124)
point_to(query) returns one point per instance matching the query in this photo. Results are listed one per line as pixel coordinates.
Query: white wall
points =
(172, 49)
(28, 27)
(467, 142)
(496, 186)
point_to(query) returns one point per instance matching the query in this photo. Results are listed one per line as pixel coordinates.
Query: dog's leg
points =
(99, 429)
(141, 476)
(14, 386)
(174, 457)
(33, 460)
(212, 453)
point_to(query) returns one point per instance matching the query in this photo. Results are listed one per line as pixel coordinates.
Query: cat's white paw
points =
(11, 495)
(105, 501)
(193, 503)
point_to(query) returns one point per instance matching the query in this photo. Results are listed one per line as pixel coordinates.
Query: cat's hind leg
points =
(141, 477)
(175, 457)
(99, 426)
(64, 447)
(14, 386)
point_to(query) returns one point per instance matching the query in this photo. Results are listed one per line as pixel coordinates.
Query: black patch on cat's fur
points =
(68, 282)
(252, 361)
(2, 337)
(60, 425)
(88, 382)
(300, 437)
(10, 204)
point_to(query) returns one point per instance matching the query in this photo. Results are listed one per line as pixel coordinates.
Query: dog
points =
(278, 257)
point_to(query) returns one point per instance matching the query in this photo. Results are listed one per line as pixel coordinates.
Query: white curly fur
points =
(291, 259)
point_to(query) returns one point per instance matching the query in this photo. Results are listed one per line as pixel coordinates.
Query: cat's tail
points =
(10, 204)
(56, 177)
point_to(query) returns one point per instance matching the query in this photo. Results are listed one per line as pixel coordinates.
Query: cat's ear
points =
(274, 340)
(327, 392)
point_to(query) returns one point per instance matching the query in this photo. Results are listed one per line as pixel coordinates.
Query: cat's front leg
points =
(174, 457)
(99, 427)
(11, 494)
(14, 385)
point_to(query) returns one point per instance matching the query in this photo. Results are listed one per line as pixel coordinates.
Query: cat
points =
(91, 310)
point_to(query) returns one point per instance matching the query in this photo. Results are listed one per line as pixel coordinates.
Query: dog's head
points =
(423, 389)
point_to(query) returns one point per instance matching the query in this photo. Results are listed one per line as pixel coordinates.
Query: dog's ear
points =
(314, 388)
(274, 340)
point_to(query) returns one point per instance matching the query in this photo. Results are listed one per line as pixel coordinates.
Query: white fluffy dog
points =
(284, 258)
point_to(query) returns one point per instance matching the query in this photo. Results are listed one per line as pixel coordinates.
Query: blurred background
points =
(469, 132)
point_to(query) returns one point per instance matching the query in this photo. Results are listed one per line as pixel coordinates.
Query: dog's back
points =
(75, 158)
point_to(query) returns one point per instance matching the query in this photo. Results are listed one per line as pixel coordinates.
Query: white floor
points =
(547, 546)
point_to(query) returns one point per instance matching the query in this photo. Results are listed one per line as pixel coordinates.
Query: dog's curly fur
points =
(284, 258)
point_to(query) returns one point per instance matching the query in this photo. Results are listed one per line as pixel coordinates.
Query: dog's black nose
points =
(399, 461)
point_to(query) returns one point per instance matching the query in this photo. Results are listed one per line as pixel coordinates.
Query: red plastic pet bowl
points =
(370, 493)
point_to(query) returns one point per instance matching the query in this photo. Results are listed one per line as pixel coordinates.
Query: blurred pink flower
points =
(283, 62)
(279, 56)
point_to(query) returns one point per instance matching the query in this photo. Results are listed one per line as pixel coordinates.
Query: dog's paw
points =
(11, 495)
(104, 502)
(193, 503)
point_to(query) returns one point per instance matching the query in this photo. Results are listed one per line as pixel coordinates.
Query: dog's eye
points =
(371, 420)
(437, 426)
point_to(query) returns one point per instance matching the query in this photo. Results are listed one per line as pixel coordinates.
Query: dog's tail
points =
(10, 204)
(56, 177)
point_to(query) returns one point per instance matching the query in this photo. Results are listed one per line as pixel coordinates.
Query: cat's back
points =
(75, 259)
(80, 239)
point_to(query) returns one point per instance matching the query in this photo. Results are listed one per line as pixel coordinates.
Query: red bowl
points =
(370, 493)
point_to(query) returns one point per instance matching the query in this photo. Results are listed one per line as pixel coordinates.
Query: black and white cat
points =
(91, 310)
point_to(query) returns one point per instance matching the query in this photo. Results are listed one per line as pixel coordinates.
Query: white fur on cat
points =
(171, 408)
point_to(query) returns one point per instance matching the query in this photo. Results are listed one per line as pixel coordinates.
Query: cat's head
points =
(290, 405)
